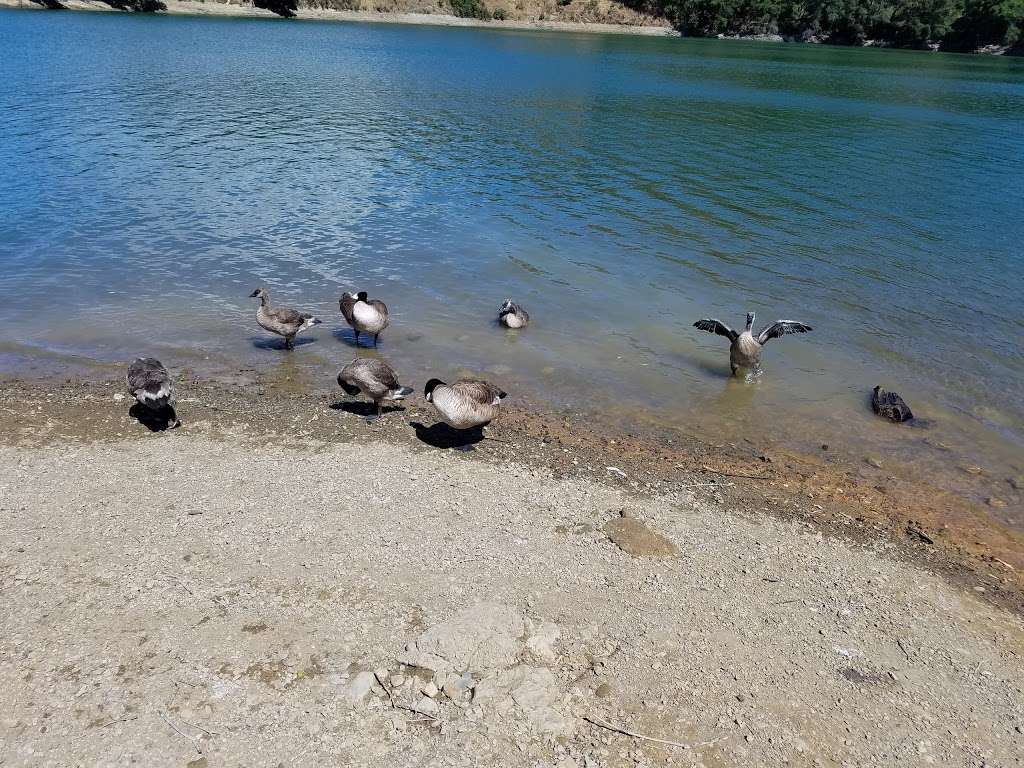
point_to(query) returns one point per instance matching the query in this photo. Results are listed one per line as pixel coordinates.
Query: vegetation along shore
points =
(962, 26)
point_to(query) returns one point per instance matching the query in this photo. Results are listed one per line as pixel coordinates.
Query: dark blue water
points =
(155, 170)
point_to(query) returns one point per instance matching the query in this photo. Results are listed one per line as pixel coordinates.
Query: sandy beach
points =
(191, 8)
(279, 582)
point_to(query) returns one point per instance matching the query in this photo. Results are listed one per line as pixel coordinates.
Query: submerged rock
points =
(890, 406)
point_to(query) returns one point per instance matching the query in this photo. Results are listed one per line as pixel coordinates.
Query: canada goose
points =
(745, 350)
(150, 383)
(363, 314)
(511, 315)
(465, 404)
(375, 379)
(282, 321)
(890, 406)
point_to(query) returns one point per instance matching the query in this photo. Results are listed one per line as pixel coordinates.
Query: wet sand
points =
(928, 525)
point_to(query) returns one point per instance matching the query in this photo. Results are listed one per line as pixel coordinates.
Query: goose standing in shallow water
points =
(150, 384)
(375, 379)
(745, 348)
(364, 315)
(511, 315)
(282, 321)
(465, 404)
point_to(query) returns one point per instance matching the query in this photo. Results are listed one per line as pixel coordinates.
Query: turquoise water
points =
(156, 170)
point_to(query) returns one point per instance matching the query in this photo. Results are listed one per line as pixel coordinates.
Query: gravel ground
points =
(212, 597)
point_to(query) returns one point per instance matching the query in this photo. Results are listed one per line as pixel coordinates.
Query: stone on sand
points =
(478, 639)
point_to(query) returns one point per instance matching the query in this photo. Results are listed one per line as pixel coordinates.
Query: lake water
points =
(153, 171)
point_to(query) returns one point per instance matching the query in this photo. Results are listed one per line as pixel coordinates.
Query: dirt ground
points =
(279, 583)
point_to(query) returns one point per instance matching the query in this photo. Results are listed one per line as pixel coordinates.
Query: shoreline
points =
(278, 581)
(923, 524)
(230, 10)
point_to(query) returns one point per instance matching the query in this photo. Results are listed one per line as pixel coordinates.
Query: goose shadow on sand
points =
(154, 421)
(363, 408)
(440, 435)
(278, 343)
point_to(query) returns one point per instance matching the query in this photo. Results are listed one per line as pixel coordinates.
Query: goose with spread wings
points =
(745, 348)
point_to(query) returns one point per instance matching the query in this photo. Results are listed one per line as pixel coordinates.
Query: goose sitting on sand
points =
(150, 383)
(364, 315)
(745, 348)
(282, 321)
(375, 379)
(466, 404)
(511, 315)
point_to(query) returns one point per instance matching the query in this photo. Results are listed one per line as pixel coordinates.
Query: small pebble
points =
(603, 691)
(874, 462)
(995, 502)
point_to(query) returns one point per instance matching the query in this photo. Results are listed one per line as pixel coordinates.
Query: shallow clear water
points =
(156, 170)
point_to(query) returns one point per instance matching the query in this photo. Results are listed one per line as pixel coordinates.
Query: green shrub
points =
(284, 8)
(470, 9)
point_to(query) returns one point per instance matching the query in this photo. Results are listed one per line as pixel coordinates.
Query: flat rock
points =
(479, 640)
(529, 693)
(634, 538)
(358, 689)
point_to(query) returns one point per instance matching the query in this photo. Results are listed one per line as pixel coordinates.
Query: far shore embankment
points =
(222, 9)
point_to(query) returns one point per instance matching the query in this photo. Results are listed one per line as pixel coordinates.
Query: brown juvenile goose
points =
(363, 314)
(745, 349)
(465, 404)
(375, 379)
(150, 384)
(282, 321)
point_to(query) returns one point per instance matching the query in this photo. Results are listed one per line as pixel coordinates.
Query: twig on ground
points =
(601, 724)
(122, 720)
(181, 733)
(391, 697)
(903, 648)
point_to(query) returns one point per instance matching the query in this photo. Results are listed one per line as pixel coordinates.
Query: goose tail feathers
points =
(400, 394)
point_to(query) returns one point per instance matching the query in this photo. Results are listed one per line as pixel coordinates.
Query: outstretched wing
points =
(781, 328)
(711, 325)
(478, 391)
